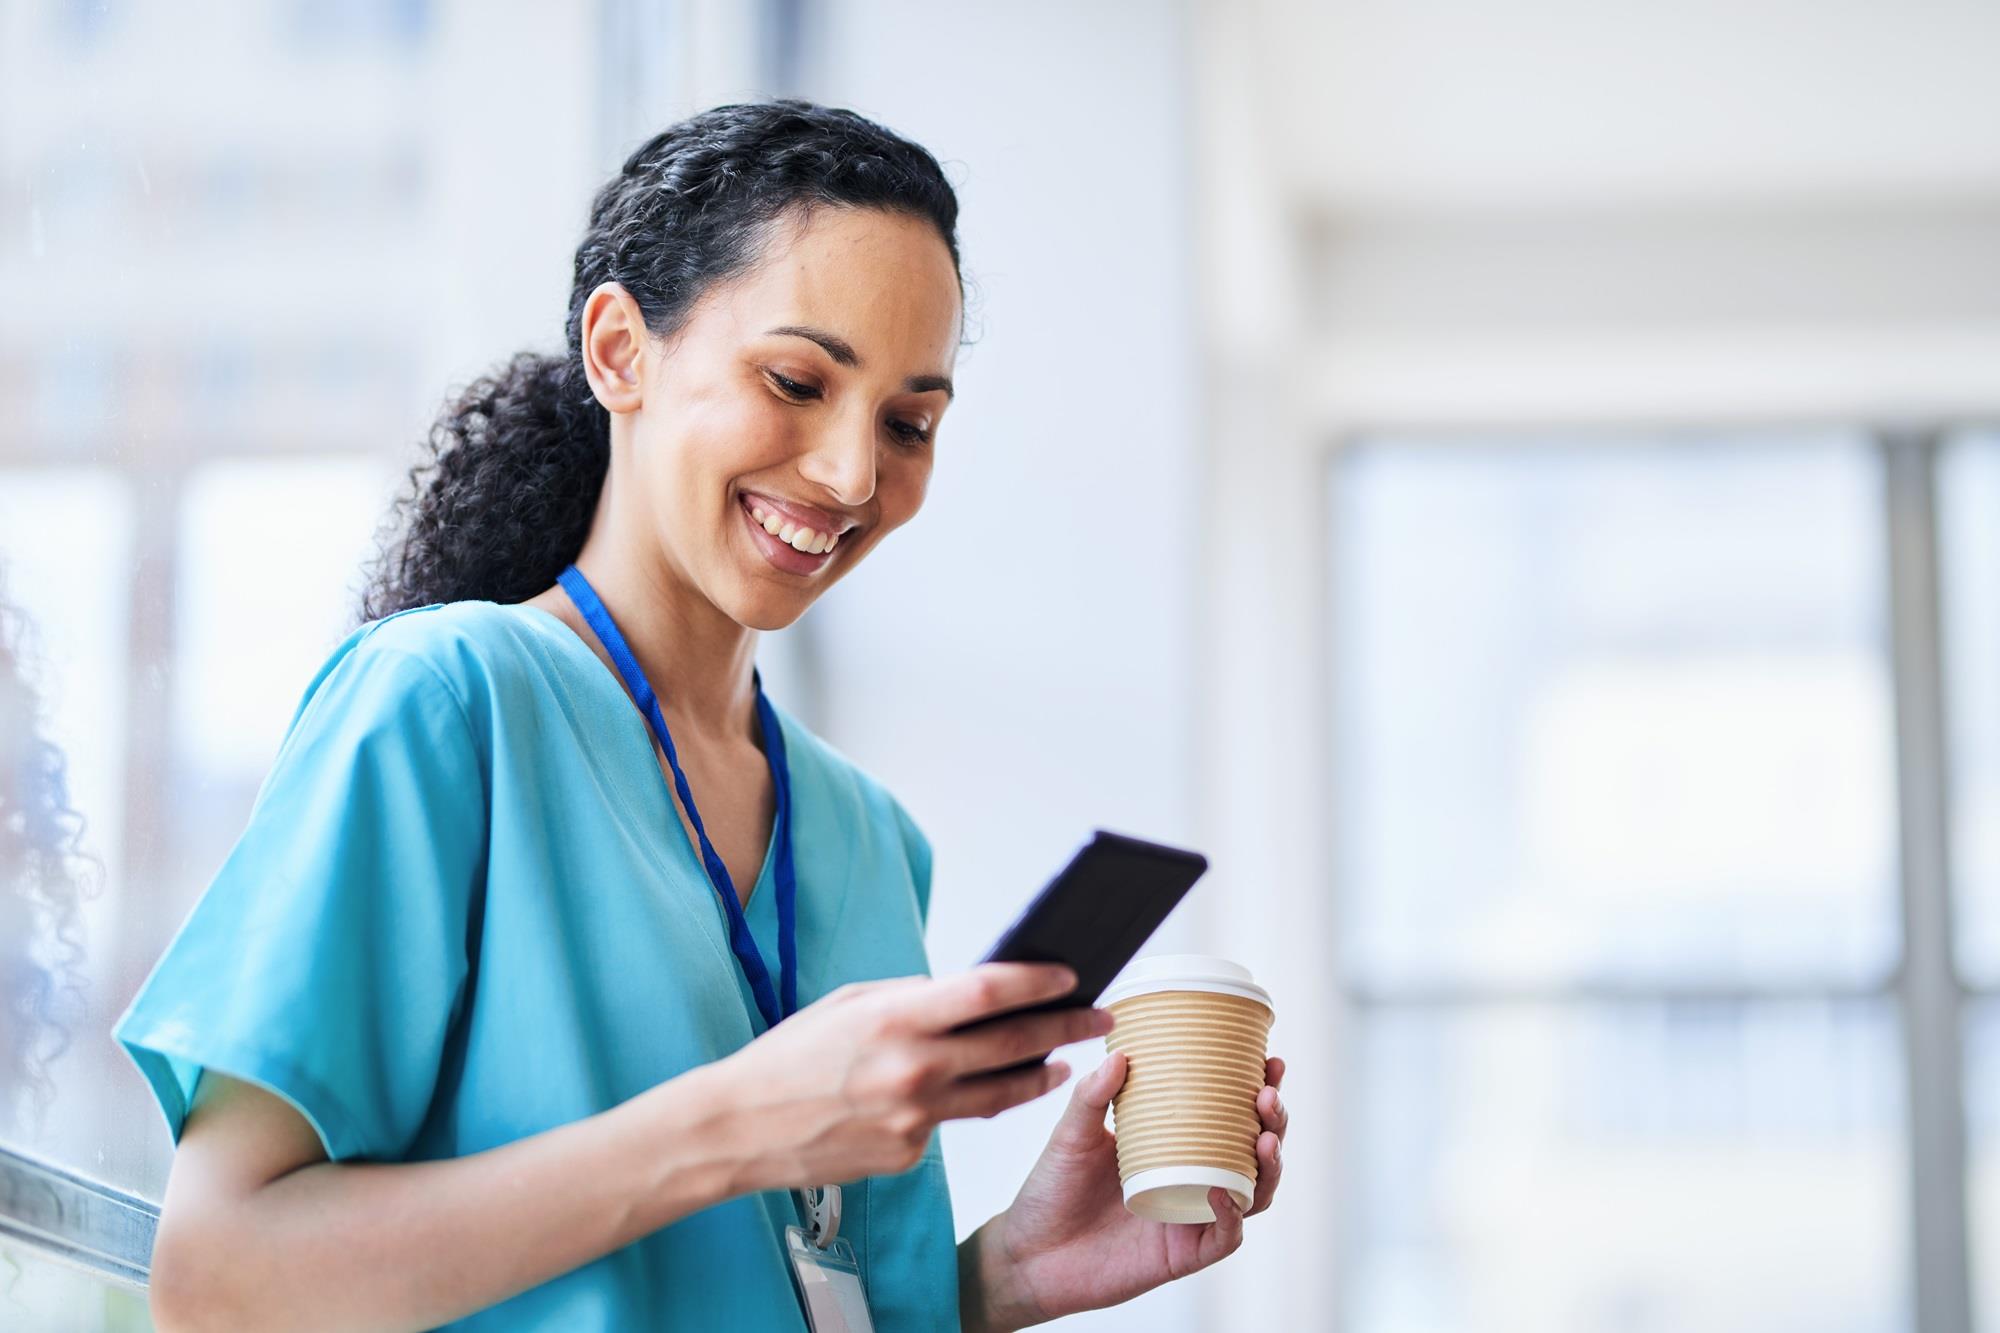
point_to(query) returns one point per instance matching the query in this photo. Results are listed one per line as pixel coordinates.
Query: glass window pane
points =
(1618, 709)
(66, 562)
(39, 1293)
(271, 562)
(1969, 543)
(1733, 1168)
(1982, 1123)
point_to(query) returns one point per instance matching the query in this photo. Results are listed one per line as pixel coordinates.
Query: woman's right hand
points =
(853, 1084)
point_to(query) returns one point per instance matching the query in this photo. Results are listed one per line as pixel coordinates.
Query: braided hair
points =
(503, 494)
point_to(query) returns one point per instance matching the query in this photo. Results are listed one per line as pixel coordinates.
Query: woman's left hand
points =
(1068, 1243)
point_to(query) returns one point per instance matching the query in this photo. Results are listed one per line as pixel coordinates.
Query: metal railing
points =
(77, 1220)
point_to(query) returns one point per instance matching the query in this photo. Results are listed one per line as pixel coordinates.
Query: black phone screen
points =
(1094, 916)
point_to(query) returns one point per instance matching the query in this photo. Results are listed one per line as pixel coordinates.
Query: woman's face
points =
(809, 389)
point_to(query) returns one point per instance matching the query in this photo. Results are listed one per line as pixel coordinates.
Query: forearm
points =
(990, 1300)
(379, 1245)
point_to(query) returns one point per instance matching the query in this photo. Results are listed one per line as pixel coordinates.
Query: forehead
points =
(883, 281)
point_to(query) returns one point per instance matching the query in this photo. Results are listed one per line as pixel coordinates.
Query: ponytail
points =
(504, 495)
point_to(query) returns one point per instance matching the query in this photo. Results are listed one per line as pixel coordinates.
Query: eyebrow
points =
(843, 352)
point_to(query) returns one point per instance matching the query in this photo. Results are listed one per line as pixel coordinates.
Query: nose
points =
(842, 460)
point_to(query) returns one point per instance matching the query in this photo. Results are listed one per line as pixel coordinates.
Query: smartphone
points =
(1093, 917)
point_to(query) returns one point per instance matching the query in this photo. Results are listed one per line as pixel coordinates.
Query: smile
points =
(790, 546)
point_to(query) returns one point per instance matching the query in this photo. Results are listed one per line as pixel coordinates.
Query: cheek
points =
(903, 484)
(722, 439)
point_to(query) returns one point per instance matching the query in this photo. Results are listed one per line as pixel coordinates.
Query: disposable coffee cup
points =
(1194, 1030)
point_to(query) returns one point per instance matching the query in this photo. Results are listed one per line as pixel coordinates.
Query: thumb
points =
(1082, 1123)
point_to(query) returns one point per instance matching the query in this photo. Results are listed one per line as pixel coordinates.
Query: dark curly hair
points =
(45, 878)
(503, 495)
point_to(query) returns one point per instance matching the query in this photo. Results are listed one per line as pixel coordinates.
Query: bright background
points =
(1517, 485)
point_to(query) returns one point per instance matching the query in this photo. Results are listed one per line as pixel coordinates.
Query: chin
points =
(768, 612)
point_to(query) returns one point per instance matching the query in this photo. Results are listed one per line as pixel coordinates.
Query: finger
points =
(1274, 1071)
(1005, 1041)
(1094, 1094)
(1082, 1125)
(988, 989)
(1269, 1168)
(1220, 1238)
(1271, 1110)
(990, 1094)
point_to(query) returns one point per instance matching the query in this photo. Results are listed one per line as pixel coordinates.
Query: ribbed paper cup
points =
(1194, 1030)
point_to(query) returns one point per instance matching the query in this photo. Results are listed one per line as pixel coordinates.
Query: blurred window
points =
(1618, 852)
(1969, 542)
(1969, 539)
(198, 466)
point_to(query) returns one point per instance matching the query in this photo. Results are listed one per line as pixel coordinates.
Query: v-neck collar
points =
(574, 645)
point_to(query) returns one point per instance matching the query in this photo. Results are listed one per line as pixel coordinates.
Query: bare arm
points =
(260, 1230)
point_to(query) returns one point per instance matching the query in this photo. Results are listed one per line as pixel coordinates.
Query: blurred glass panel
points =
(1982, 1123)
(288, 285)
(38, 1293)
(1969, 557)
(270, 574)
(1638, 1168)
(1613, 710)
(66, 562)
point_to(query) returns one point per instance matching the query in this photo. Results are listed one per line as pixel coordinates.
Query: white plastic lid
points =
(1185, 971)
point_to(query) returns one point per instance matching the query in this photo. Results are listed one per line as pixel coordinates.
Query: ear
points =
(614, 342)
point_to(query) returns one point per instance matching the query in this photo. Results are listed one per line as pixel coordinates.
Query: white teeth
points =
(800, 538)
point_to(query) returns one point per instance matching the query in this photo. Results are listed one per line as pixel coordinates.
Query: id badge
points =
(829, 1282)
(824, 1268)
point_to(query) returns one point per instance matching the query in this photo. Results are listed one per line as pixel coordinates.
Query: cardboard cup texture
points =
(1194, 1031)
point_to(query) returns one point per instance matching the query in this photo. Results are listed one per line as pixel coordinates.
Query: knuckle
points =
(907, 1074)
(986, 991)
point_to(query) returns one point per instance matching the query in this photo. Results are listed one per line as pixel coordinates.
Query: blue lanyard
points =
(740, 941)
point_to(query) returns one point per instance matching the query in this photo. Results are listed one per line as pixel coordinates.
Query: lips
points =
(781, 554)
(802, 515)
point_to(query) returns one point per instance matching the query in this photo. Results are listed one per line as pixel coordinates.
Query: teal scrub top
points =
(464, 911)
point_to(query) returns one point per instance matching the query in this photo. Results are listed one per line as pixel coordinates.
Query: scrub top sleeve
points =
(327, 959)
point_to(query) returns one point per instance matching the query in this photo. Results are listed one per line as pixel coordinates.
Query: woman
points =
(482, 992)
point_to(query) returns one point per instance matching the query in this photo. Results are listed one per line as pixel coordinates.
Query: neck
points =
(698, 659)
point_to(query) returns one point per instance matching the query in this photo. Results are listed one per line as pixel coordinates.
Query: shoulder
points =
(471, 647)
(454, 638)
(444, 658)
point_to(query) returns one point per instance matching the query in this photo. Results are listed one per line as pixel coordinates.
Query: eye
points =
(792, 388)
(909, 432)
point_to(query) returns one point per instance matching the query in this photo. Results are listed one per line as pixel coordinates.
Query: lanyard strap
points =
(740, 941)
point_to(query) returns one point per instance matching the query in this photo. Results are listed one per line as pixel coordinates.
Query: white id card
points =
(829, 1282)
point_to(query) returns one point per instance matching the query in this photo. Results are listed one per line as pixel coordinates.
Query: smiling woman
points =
(481, 981)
